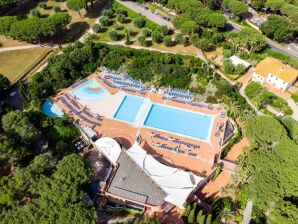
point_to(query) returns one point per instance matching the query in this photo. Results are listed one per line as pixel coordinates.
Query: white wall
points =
(257, 78)
(277, 82)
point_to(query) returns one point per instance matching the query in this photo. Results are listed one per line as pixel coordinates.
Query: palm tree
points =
(226, 215)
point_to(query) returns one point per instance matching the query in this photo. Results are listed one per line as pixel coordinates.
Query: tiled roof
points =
(132, 183)
(277, 68)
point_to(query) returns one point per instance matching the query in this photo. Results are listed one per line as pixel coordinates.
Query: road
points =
(235, 27)
(273, 45)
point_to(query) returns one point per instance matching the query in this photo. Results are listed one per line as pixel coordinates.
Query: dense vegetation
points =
(33, 29)
(268, 171)
(261, 98)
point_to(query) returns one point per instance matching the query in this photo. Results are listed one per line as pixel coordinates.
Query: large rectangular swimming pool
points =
(129, 108)
(179, 121)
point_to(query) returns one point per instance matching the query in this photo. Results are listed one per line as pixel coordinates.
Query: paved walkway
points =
(294, 107)
(247, 213)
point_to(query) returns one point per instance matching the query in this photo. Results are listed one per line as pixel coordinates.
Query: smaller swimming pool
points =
(91, 90)
(129, 108)
(51, 110)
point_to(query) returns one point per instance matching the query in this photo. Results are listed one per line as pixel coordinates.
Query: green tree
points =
(257, 3)
(142, 40)
(76, 5)
(121, 18)
(168, 42)
(96, 28)
(146, 32)
(237, 7)
(4, 84)
(5, 24)
(139, 22)
(279, 28)
(216, 20)
(17, 125)
(113, 35)
(104, 20)
(164, 30)
(264, 130)
(57, 8)
(35, 13)
(189, 27)
(157, 37)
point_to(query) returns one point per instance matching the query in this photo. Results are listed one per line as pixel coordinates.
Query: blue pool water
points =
(179, 121)
(91, 90)
(50, 109)
(129, 108)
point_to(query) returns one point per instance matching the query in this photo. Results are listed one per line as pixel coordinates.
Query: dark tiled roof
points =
(132, 183)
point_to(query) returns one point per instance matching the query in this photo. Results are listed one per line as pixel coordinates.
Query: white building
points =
(238, 61)
(273, 72)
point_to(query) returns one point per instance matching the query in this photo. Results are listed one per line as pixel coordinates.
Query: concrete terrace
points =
(179, 151)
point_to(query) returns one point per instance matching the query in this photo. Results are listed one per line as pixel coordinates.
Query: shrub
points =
(117, 27)
(186, 211)
(57, 8)
(157, 37)
(113, 35)
(127, 38)
(121, 12)
(238, 218)
(205, 45)
(108, 12)
(209, 219)
(139, 22)
(167, 40)
(185, 41)
(227, 53)
(191, 216)
(228, 66)
(164, 30)
(199, 216)
(142, 40)
(146, 32)
(178, 38)
(104, 20)
(42, 5)
(121, 18)
(35, 13)
(96, 28)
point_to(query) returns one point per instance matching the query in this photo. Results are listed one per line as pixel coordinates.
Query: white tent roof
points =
(109, 147)
(177, 183)
(238, 61)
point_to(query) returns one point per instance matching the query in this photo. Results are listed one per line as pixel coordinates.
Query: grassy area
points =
(132, 14)
(260, 97)
(15, 64)
(281, 56)
(295, 97)
(8, 42)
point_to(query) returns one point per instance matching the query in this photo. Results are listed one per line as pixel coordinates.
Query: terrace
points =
(169, 147)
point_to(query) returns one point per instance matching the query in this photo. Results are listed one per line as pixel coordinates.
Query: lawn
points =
(15, 64)
(295, 97)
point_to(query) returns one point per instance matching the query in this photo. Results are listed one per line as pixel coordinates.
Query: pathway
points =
(247, 213)
(294, 107)
(20, 47)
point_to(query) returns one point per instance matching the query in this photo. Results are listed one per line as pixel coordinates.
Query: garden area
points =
(15, 64)
(122, 24)
(262, 98)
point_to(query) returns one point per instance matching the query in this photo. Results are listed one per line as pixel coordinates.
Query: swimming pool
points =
(91, 90)
(179, 121)
(129, 108)
(51, 110)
